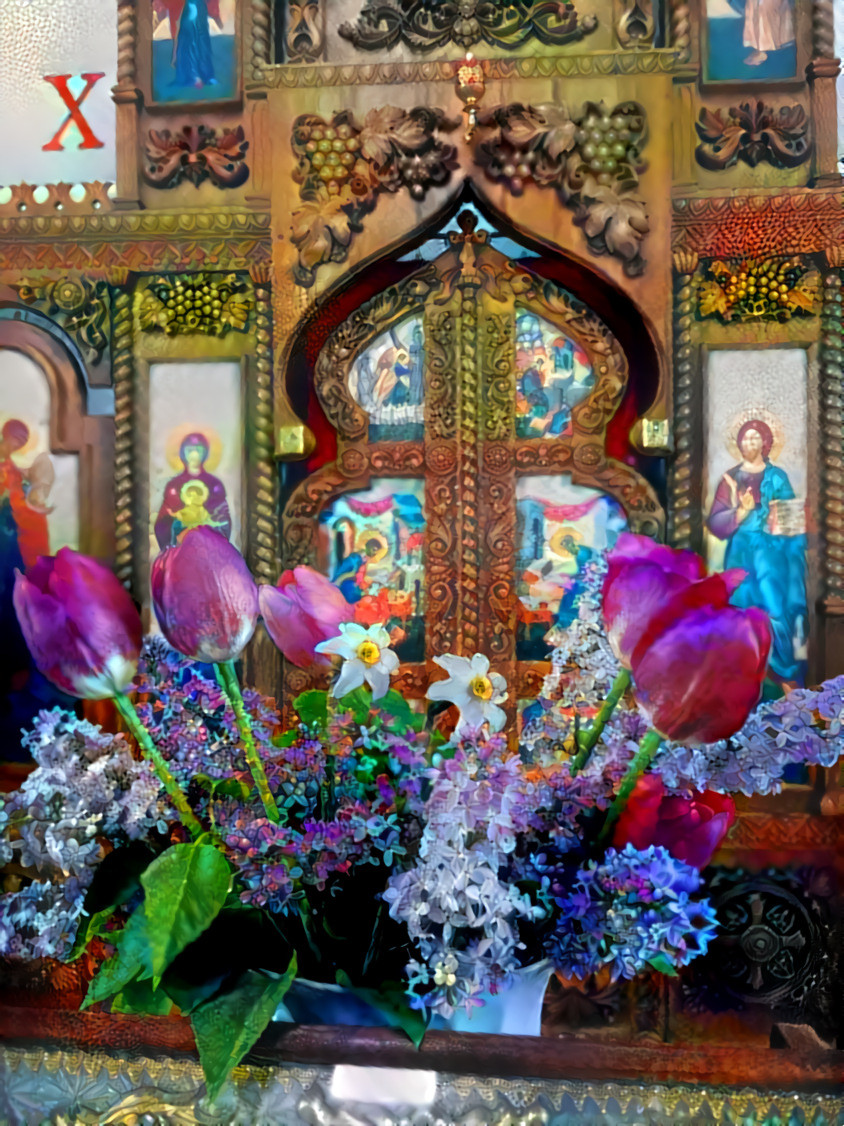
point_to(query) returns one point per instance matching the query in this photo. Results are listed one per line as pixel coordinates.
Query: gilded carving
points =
(79, 306)
(742, 290)
(791, 222)
(424, 25)
(591, 158)
(683, 512)
(263, 508)
(344, 166)
(753, 132)
(123, 374)
(832, 415)
(303, 36)
(195, 303)
(634, 25)
(197, 153)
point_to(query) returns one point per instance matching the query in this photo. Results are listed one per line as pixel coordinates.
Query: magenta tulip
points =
(205, 598)
(82, 627)
(304, 609)
(649, 585)
(700, 678)
(691, 826)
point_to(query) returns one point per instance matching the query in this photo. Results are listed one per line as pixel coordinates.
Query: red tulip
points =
(698, 680)
(649, 585)
(82, 627)
(304, 609)
(690, 827)
(205, 598)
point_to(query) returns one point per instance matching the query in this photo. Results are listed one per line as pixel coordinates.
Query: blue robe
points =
(193, 46)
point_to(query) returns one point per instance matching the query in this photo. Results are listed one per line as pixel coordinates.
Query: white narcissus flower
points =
(367, 657)
(475, 690)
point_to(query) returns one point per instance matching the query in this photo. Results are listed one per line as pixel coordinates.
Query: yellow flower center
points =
(369, 653)
(481, 686)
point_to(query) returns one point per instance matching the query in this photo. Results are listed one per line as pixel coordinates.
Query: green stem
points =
(648, 747)
(152, 753)
(619, 687)
(227, 679)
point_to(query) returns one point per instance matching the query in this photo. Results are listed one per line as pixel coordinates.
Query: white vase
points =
(516, 1011)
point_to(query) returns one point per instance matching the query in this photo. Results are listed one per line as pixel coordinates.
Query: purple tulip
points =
(304, 609)
(82, 627)
(205, 598)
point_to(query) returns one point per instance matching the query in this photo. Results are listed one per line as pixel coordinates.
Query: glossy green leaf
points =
(140, 997)
(391, 1001)
(185, 889)
(89, 927)
(228, 1025)
(131, 960)
(312, 707)
(660, 963)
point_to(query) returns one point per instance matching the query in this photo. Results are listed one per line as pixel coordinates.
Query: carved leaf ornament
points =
(197, 153)
(591, 158)
(79, 306)
(344, 166)
(753, 132)
(424, 25)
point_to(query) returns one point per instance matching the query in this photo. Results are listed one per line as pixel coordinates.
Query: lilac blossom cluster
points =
(632, 911)
(86, 786)
(188, 717)
(350, 796)
(458, 911)
(802, 727)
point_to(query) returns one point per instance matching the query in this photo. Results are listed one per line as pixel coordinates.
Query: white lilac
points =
(802, 727)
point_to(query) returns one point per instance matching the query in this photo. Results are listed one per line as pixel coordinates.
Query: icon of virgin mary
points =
(171, 520)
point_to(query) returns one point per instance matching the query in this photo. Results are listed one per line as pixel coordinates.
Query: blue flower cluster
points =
(633, 911)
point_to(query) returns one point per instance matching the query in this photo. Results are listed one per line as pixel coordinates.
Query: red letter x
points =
(89, 141)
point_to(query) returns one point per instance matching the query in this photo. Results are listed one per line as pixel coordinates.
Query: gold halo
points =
(556, 540)
(365, 536)
(32, 440)
(771, 421)
(194, 483)
(178, 435)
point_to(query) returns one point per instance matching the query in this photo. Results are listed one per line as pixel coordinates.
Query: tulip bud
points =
(205, 599)
(304, 609)
(82, 627)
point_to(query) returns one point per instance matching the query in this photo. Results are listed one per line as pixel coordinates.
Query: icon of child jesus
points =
(193, 513)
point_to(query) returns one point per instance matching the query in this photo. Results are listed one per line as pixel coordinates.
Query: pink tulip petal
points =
(289, 626)
(48, 635)
(101, 609)
(701, 677)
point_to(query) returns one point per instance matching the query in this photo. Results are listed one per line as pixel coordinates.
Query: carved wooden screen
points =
(470, 403)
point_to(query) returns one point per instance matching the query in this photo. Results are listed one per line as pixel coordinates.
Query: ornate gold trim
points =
(660, 61)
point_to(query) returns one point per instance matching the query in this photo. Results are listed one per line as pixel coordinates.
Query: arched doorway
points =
(471, 485)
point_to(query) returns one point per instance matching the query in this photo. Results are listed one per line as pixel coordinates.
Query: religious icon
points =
(388, 381)
(373, 543)
(750, 40)
(757, 514)
(193, 50)
(561, 529)
(552, 376)
(194, 497)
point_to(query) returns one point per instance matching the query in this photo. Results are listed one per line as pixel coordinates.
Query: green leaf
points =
(660, 963)
(312, 707)
(359, 703)
(185, 888)
(89, 928)
(140, 997)
(286, 739)
(130, 960)
(228, 1025)
(394, 704)
(391, 1001)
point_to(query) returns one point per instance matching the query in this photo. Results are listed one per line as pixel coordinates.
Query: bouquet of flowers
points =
(212, 856)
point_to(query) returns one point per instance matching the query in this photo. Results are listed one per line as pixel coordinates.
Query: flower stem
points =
(619, 687)
(648, 747)
(152, 753)
(227, 679)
